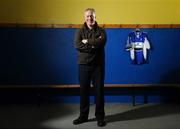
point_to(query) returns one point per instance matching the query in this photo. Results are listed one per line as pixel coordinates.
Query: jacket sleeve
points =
(99, 40)
(81, 46)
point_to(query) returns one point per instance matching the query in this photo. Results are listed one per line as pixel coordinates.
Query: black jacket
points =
(91, 53)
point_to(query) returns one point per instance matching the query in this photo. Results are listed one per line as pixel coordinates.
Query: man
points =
(90, 42)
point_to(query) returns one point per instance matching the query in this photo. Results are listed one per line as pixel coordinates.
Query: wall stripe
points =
(26, 25)
(106, 86)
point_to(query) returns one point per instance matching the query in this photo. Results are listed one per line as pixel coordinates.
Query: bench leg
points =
(133, 97)
(145, 99)
(38, 97)
(134, 100)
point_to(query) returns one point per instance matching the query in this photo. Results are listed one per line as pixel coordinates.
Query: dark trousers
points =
(91, 74)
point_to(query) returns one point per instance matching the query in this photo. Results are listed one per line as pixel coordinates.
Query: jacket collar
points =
(94, 27)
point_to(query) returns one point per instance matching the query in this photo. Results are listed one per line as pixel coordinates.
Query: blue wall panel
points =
(163, 64)
(48, 56)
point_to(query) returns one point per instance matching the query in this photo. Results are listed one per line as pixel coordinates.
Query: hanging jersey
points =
(138, 44)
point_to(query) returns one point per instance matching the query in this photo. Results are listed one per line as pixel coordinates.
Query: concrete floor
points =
(118, 116)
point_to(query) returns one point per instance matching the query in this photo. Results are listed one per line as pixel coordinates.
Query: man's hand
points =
(84, 41)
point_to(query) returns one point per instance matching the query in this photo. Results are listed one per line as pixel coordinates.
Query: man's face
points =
(90, 18)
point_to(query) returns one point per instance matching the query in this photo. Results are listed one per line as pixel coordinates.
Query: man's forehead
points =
(89, 13)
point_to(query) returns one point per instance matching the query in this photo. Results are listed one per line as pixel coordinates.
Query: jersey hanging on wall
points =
(138, 44)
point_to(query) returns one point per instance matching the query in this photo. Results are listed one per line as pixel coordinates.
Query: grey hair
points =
(90, 9)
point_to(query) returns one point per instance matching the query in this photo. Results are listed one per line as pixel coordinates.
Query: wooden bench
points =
(132, 87)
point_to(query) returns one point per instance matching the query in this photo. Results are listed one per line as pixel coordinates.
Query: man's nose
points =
(91, 18)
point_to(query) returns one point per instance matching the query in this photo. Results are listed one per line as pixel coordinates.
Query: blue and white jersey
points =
(138, 44)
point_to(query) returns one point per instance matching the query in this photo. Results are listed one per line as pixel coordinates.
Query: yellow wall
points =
(108, 11)
(178, 10)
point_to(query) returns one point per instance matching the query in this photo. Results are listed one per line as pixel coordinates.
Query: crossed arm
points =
(87, 45)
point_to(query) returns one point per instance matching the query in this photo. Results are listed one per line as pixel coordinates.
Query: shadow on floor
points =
(31, 116)
(144, 112)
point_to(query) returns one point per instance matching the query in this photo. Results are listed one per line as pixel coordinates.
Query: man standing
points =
(90, 41)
